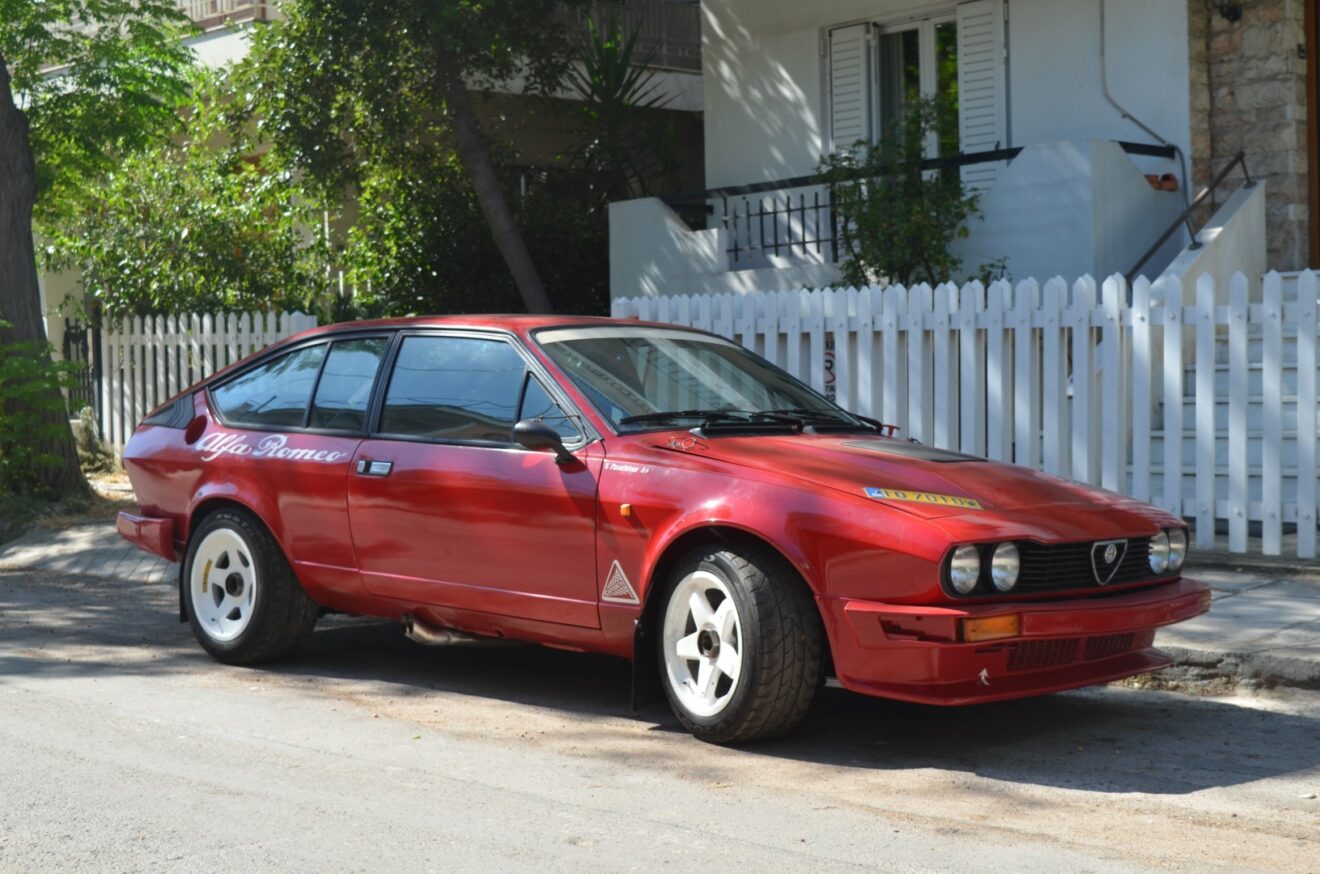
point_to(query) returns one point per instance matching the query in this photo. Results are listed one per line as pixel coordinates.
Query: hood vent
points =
(908, 449)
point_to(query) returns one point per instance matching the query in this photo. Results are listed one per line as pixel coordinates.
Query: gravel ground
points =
(123, 748)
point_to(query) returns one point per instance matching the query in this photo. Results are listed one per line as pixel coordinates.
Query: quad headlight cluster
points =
(968, 563)
(965, 568)
(1168, 550)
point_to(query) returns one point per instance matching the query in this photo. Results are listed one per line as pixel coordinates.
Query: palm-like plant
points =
(627, 145)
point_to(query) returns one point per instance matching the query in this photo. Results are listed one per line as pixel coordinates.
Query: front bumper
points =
(915, 653)
(145, 532)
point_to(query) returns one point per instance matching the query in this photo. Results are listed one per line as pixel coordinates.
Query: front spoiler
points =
(914, 653)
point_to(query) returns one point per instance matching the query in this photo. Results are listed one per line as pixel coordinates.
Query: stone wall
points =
(1248, 93)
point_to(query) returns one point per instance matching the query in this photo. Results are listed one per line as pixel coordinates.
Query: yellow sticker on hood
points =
(923, 498)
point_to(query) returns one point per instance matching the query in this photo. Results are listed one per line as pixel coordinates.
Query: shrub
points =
(30, 384)
(899, 219)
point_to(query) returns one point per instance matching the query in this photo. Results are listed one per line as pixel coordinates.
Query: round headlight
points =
(1177, 547)
(1004, 567)
(1159, 553)
(965, 569)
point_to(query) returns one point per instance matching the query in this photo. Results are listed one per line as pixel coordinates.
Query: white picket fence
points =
(147, 360)
(1207, 409)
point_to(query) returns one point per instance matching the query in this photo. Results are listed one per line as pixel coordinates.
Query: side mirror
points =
(537, 436)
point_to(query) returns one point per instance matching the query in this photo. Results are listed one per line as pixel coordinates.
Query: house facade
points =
(1087, 126)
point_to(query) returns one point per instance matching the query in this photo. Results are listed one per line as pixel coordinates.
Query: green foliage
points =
(339, 88)
(420, 246)
(119, 72)
(627, 146)
(195, 224)
(345, 95)
(899, 221)
(30, 384)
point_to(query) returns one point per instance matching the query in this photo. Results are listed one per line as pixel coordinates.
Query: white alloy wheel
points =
(703, 643)
(223, 584)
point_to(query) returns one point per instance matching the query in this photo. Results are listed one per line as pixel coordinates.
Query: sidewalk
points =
(86, 550)
(1263, 626)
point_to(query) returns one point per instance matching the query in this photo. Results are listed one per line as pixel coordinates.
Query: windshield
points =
(643, 378)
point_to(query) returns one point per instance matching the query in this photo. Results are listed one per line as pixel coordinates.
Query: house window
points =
(877, 68)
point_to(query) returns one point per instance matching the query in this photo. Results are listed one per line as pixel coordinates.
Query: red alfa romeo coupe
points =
(655, 493)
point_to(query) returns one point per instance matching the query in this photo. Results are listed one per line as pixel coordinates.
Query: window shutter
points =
(981, 86)
(850, 97)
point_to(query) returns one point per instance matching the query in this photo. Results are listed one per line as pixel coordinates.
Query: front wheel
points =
(740, 645)
(243, 602)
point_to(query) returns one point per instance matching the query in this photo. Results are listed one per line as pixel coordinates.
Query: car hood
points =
(918, 479)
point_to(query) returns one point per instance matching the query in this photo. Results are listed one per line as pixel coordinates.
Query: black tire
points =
(277, 616)
(780, 644)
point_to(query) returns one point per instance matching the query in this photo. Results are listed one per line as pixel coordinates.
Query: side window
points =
(537, 404)
(344, 391)
(274, 395)
(454, 388)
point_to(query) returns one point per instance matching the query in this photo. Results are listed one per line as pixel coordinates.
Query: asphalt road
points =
(123, 748)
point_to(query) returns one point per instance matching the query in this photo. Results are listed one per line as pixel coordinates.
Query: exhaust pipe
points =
(430, 635)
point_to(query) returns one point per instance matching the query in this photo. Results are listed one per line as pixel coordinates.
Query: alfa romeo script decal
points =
(215, 445)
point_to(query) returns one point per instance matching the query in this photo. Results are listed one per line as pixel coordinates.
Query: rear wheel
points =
(242, 600)
(740, 645)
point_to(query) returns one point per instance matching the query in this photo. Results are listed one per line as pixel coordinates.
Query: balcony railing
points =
(207, 14)
(669, 32)
(793, 220)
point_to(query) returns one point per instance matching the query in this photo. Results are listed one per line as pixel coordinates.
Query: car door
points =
(447, 510)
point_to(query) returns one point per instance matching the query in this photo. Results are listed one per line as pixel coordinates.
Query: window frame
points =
(266, 358)
(316, 386)
(532, 367)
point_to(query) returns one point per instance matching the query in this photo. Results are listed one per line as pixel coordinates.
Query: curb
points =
(1272, 566)
(1256, 668)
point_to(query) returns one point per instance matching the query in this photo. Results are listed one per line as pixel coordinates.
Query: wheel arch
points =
(645, 673)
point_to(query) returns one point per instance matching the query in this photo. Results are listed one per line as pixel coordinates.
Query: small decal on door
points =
(617, 588)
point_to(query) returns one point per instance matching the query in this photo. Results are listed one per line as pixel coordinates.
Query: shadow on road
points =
(1108, 740)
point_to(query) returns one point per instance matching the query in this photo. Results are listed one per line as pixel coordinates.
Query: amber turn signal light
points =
(991, 628)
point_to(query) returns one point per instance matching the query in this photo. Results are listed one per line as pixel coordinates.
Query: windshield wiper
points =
(819, 414)
(668, 415)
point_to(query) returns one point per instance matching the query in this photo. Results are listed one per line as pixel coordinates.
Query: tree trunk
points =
(20, 297)
(470, 143)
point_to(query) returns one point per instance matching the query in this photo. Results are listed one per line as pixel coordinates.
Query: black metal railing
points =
(82, 347)
(795, 218)
(1185, 217)
(668, 33)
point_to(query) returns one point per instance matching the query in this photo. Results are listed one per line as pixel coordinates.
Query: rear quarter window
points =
(273, 395)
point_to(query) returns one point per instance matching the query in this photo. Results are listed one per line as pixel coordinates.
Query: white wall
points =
(1054, 71)
(764, 94)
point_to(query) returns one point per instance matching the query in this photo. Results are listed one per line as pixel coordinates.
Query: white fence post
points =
(1238, 508)
(1272, 419)
(1026, 381)
(1141, 400)
(1306, 414)
(1205, 411)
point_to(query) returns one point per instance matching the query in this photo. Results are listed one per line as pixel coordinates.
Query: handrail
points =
(1238, 159)
(947, 163)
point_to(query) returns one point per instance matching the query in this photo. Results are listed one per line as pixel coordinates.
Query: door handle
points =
(367, 467)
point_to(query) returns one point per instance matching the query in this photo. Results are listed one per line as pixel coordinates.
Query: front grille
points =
(1037, 655)
(1061, 566)
(1107, 645)
(1040, 655)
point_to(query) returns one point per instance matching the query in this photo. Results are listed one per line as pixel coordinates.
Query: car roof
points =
(520, 325)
